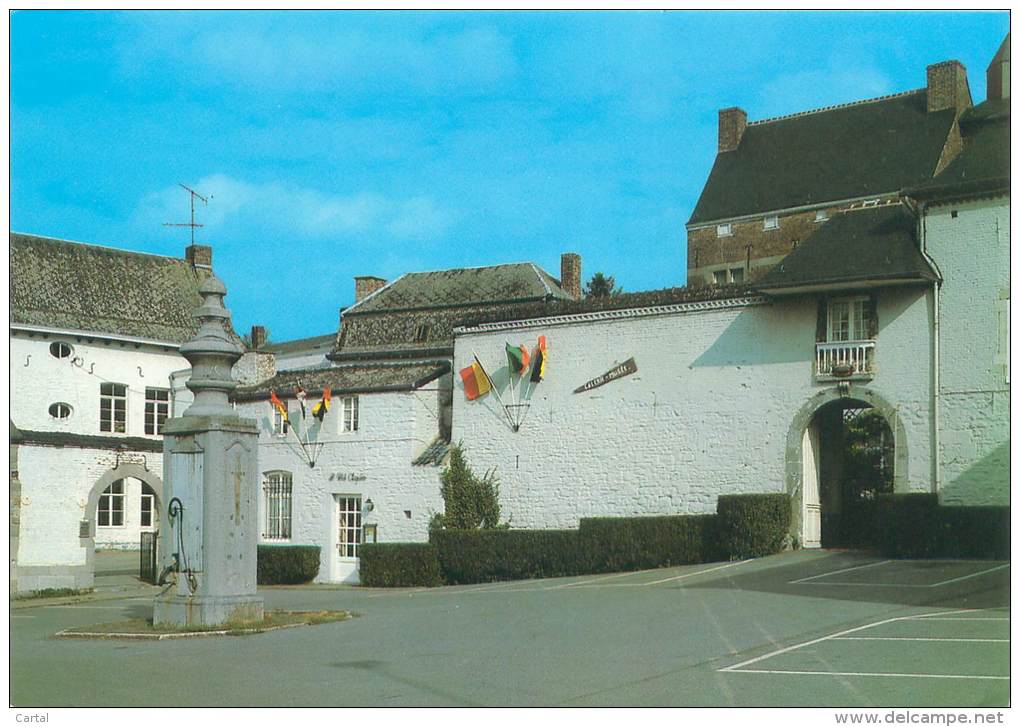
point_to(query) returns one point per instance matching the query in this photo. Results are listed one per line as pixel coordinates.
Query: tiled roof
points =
(839, 153)
(314, 344)
(434, 454)
(87, 441)
(870, 244)
(983, 165)
(346, 379)
(461, 287)
(70, 285)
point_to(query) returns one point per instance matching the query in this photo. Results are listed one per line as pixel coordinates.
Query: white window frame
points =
(160, 409)
(350, 529)
(278, 502)
(724, 230)
(349, 419)
(147, 497)
(857, 318)
(770, 222)
(106, 505)
(821, 215)
(277, 417)
(108, 406)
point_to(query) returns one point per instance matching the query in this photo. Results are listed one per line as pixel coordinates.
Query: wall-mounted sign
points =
(625, 369)
(348, 476)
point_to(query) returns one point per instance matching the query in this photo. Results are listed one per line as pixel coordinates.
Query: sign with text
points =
(625, 369)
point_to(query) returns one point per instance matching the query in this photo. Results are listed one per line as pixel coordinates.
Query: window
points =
(848, 319)
(112, 407)
(719, 277)
(280, 424)
(348, 525)
(148, 505)
(277, 497)
(736, 275)
(111, 506)
(724, 230)
(821, 215)
(60, 410)
(770, 223)
(59, 349)
(157, 407)
(349, 414)
(421, 332)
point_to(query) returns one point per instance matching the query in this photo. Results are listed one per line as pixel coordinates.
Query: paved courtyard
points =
(806, 628)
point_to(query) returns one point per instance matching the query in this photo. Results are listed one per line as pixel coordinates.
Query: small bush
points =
(907, 525)
(399, 564)
(635, 543)
(751, 526)
(287, 564)
(480, 556)
(469, 501)
(974, 532)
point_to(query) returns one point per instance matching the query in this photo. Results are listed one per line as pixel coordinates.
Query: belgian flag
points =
(280, 407)
(319, 410)
(517, 358)
(538, 369)
(476, 381)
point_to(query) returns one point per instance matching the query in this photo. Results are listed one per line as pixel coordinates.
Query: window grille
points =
(277, 495)
(348, 525)
(724, 230)
(157, 408)
(111, 506)
(112, 407)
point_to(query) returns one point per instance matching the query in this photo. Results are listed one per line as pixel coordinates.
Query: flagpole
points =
(492, 386)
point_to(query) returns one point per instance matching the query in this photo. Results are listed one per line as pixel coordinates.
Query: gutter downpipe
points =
(936, 467)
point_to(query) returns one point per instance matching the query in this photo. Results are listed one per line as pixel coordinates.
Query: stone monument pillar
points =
(211, 509)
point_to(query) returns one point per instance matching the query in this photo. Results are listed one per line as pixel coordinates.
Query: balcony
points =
(845, 360)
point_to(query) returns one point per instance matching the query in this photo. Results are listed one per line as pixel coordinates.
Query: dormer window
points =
(821, 215)
(724, 230)
(771, 223)
(421, 332)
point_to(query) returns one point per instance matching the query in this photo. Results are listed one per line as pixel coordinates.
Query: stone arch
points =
(803, 417)
(87, 534)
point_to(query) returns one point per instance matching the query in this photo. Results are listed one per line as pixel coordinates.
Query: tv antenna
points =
(194, 195)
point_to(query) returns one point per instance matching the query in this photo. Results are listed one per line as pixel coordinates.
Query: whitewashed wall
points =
(374, 463)
(972, 251)
(708, 411)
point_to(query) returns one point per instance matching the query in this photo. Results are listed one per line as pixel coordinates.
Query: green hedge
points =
(287, 564)
(399, 564)
(637, 543)
(914, 525)
(751, 526)
(480, 556)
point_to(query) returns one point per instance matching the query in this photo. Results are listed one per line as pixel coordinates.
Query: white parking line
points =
(961, 618)
(971, 575)
(918, 638)
(841, 570)
(869, 674)
(696, 573)
(574, 584)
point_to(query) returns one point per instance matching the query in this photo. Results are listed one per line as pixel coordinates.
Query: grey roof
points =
(434, 454)
(983, 164)
(346, 379)
(873, 244)
(313, 344)
(840, 153)
(71, 285)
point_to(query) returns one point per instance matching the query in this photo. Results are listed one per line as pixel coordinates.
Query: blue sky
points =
(377, 143)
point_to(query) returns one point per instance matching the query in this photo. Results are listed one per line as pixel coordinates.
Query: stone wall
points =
(969, 242)
(708, 412)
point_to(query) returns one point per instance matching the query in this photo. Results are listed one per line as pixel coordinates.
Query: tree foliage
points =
(471, 502)
(601, 286)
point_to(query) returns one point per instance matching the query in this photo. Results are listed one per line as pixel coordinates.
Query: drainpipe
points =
(936, 467)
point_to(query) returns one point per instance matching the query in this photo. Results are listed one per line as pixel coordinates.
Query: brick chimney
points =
(258, 337)
(365, 285)
(570, 274)
(732, 122)
(200, 256)
(947, 87)
(997, 74)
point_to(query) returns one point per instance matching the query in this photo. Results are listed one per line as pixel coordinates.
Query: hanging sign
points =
(625, 369)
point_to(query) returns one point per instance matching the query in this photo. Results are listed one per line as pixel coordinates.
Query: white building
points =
(94, 338)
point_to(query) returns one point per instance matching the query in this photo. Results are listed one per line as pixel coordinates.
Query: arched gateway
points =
(814, 452)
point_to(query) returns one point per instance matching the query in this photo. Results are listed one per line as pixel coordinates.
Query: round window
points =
(59, 349)
(60, 410)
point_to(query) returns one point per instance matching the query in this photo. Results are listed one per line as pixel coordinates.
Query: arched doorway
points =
(128, 495)
(843, 449)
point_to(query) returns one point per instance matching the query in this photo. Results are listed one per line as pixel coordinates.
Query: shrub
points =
(974, 532)
(399, 564)
(907, 525)
(480, 556)
(469, 501)
(751, 526)
(635, 543)
(287, 564)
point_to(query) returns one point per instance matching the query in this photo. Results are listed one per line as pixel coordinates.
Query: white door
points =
(811, 535)
(348, 538)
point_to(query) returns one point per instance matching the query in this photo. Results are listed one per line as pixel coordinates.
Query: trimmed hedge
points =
(637, 543)
(399, 564)
(287, 564)
(751, 526)
(480, 556)
(914, 525)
